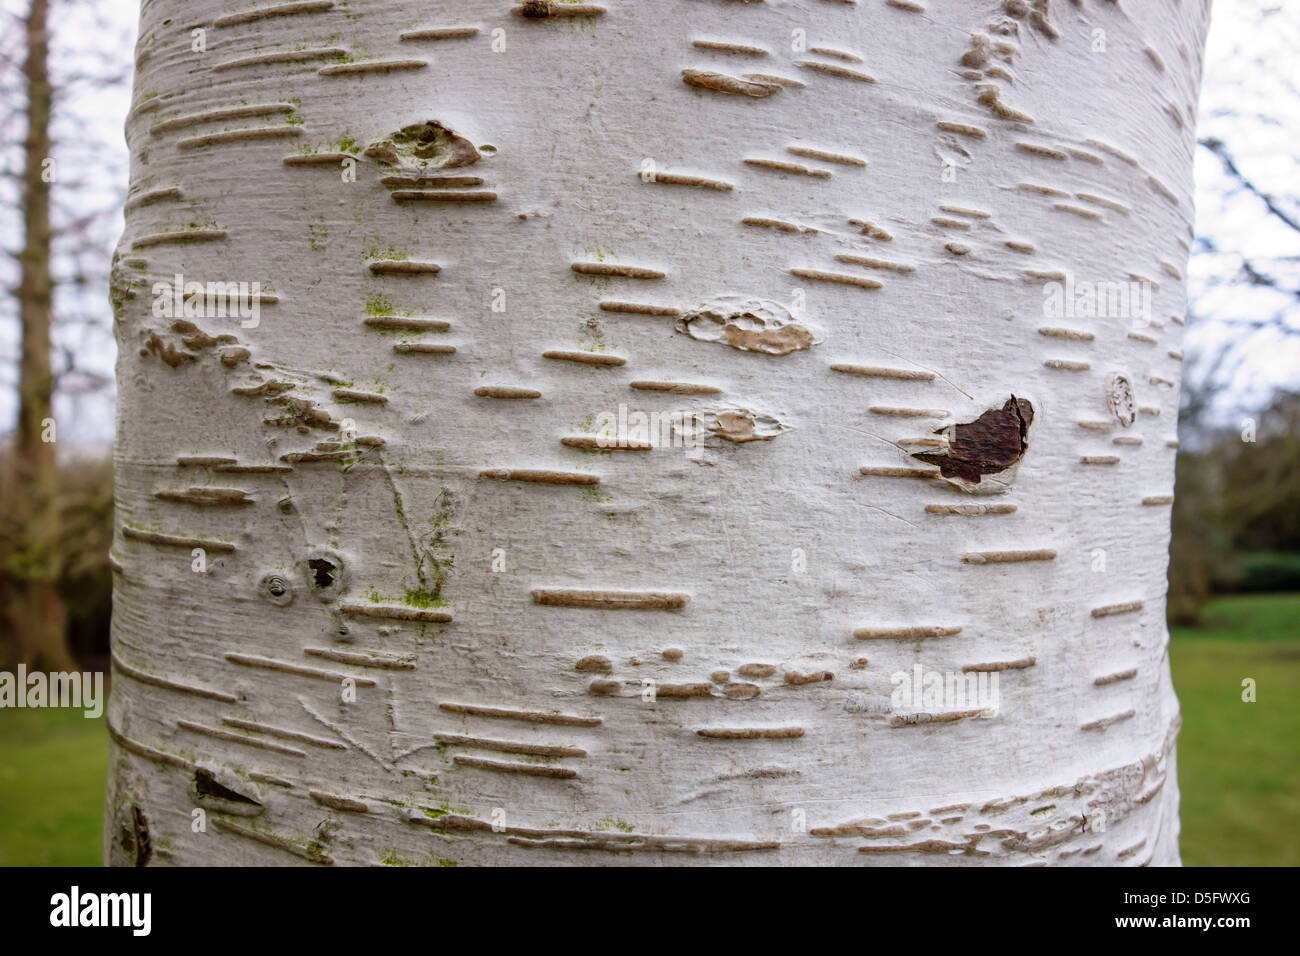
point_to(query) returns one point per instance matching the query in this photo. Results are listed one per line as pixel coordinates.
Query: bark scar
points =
(143, 842)
(206, 785)
(992, 443)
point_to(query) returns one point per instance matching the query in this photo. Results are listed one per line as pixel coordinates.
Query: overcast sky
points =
(1250, 99)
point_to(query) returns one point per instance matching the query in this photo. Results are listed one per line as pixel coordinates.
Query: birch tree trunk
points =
(664, 432)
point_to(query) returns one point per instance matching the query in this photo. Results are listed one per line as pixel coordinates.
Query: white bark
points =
(834, 220)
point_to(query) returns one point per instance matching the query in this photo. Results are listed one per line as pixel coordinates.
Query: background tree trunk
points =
(385, 596)
(36, 615)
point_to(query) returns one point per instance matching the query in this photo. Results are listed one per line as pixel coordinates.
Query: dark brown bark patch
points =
(143, 842)
(992, 443)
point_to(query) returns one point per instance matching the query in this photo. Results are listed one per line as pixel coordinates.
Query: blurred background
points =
(1234, 583)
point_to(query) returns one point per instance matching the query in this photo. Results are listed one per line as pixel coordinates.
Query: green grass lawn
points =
(1238, 763)
(52, 770)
